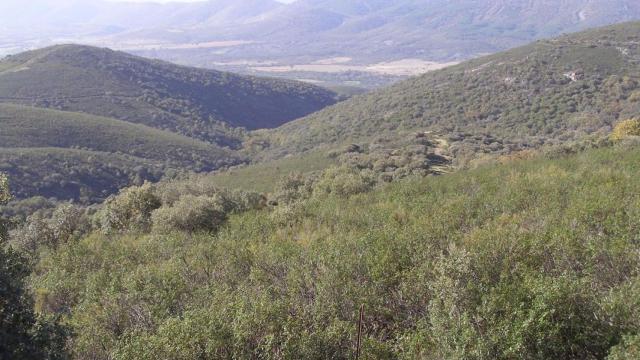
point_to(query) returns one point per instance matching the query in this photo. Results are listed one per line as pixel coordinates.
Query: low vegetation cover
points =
(536, 258)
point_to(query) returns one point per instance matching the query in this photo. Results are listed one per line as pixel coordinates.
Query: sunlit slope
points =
(548, 92)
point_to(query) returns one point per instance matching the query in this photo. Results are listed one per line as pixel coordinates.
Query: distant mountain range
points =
(265, 30)
(125, 16)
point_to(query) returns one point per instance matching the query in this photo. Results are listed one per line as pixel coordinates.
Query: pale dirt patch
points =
(333, 61)
(311, 81)
(245, 63)
(408, 67)
(164, 46)
(404, 67)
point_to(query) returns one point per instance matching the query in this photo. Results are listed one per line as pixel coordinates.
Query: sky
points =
(283, 1)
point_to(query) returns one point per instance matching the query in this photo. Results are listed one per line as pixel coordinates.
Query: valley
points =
(553, 91)
(168, 119)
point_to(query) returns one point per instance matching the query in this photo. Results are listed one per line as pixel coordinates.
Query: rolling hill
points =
(69, 155)
(25, 127)
(549, 92)
(74, 174)
(203, 104)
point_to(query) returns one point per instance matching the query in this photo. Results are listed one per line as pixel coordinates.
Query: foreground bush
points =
(65, 223)
(344, 181)
(23, 334)
(5, 196)
(191, 214)
(130, 210)
(629, 349)
(531, 259)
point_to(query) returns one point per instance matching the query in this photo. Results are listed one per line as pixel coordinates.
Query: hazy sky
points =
(284, 1)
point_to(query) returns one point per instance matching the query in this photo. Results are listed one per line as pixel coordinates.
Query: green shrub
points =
(190, 214)
(625, 129)
(549, 318)
(453, 294)
(629, 349)
(294, 187)
(65, 223)
(5, 196)
(623, 306)
(344, 181)
(530, 259)
(130, 210)
(196, 335)
(170, 192)
(23, 334)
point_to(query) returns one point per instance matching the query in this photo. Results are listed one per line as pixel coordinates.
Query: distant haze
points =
(166, 1)
(337, 39)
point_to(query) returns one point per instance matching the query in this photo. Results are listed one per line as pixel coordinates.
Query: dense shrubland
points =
(71, 156)
(535, 258)
(127, 119)
(71, 174)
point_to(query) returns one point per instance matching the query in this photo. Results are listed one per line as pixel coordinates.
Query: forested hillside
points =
(203, 104)
(79, 123)
(75, 156)
(546, 93)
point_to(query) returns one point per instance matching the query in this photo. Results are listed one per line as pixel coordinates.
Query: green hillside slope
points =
(27, 127)
(548, 92)
(74, 174)
(203, 104)
(66, 155)
(531, 259)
